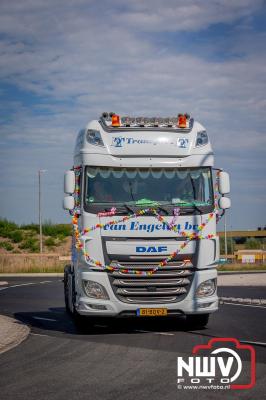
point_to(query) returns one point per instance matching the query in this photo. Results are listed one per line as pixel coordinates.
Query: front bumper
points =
(113, 307)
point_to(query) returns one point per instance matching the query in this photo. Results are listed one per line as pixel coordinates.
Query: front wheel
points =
(67, 288)
(81, 321)
(197, 321)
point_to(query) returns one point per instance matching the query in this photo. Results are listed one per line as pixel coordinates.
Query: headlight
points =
(95, 290)
(201, 139)
(206, 288)
(94, 137)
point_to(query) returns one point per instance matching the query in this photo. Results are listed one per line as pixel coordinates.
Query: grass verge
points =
(33, 269)
(242, 267)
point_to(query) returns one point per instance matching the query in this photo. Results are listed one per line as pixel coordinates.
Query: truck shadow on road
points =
(56, 321)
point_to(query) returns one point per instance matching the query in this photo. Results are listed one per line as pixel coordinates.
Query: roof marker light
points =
(140, 121)
(115, 120)
(182, 121)
(173, 121)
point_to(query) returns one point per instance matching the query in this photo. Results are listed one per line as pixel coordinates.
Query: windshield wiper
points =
(197, 208)
(164, 210)
(126, 206)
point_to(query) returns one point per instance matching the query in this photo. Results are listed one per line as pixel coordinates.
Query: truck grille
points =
(169, 284)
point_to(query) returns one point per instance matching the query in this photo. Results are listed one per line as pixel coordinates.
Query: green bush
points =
(7, 228)
(6, 245)
(61, 238)
(16, 236)
(63, 230)
(31, 227)
(50, 242)
(252, 243)
(230, 245)
(30, 244)
(26, 235)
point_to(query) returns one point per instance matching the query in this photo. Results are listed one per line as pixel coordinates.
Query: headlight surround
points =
(94, 290)
(206, 288)
(202, 138)
(94, 137)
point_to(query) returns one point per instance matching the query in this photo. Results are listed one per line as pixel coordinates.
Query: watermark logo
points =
(223, 363)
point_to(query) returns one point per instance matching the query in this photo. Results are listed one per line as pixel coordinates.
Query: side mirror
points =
(68, 203)
(69, 182)
(224, 182)
(224, 203)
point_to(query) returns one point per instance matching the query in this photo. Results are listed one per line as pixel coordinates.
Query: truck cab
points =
(143, 194)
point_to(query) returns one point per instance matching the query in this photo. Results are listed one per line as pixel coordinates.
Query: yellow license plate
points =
(151, 312)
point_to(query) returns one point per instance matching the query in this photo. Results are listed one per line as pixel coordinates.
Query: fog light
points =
(205, 305)
(94, 290)
(206, 288)
(97, 306)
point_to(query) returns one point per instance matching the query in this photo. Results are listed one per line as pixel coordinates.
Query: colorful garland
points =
(80, 243)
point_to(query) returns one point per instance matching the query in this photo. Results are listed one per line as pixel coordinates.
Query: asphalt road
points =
(116, 359)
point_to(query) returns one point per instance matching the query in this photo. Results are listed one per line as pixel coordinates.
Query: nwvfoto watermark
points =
(218, 365)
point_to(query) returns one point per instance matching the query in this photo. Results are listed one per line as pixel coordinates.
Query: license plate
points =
(151, 312)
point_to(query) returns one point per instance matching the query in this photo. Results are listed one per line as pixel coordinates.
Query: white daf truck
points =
(142, 191)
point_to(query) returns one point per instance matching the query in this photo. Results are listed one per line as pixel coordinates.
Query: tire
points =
(81, 321)
(67, 272)
(197, 321)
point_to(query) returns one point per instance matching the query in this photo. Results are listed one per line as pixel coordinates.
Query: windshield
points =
(148, 186)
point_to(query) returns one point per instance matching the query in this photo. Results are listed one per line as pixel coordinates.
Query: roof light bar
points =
(181, 121)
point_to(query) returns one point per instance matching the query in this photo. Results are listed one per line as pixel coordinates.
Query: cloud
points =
(63, 63)
(185, 15)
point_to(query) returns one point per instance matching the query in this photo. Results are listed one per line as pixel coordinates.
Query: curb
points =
(239, 272)
(12, 333)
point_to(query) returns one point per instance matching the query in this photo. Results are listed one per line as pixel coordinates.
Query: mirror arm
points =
(223, 212)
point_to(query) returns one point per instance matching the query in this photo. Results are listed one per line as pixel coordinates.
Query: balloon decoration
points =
(80, 236)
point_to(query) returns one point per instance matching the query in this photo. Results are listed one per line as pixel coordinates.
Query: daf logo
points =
(150, 249)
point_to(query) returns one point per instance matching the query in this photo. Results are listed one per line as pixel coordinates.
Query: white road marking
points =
(22, 284)
(3, 283)
(37, 334)
(250, 342)
(245, 300)
(155, 333)
(163, 333)
(243, 305)
(45, 319)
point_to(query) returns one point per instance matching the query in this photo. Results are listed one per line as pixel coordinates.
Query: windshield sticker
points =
(137, 226)
(120, 141)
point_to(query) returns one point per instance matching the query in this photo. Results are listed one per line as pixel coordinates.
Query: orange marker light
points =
(115, 120)
(182, 121)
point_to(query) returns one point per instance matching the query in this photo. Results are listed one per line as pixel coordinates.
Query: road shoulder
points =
(12, 333)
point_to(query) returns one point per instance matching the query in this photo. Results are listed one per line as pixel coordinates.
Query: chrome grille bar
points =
(168, 284)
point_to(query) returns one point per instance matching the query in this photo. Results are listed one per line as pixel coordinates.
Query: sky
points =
(62, 63)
